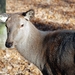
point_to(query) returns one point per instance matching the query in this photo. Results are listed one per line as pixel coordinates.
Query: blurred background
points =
(49, 15)
(2, 25)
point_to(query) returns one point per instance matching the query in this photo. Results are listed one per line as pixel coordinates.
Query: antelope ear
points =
(3, 17)
(29, 14)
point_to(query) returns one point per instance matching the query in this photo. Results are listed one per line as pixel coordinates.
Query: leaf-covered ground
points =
(49, 15)
(55, 14)
(12, 63)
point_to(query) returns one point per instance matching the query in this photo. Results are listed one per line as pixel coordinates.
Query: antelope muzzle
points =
(9, 44)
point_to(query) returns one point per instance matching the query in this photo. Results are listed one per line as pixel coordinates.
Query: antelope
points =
(52, 52)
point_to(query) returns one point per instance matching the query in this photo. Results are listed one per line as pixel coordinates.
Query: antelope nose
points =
(8, 44)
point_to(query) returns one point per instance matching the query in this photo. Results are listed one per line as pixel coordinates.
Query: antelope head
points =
(16, 25)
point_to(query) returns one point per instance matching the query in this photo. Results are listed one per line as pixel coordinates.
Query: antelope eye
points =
(22, 25)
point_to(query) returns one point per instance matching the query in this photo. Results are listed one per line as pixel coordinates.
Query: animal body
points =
(52, 52)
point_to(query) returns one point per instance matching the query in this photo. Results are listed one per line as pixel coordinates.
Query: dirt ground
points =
(49, 15)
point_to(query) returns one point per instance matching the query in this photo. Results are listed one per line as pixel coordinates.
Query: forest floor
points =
(49, 15)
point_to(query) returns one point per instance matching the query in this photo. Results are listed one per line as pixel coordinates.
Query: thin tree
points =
(2, 6)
